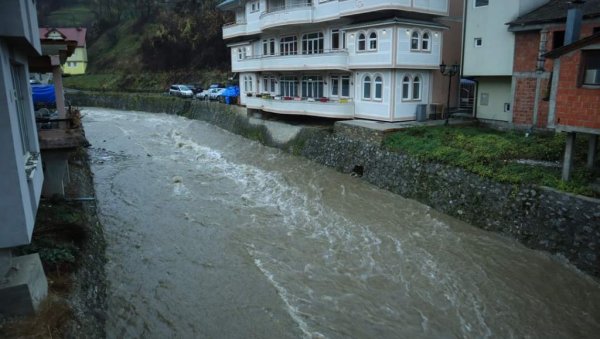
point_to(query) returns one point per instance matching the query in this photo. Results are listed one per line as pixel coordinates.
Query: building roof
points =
(228, 4)
(556, 11)
(558, 52)
(75, 34)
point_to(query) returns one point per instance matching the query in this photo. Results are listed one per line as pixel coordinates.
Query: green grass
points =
(73, 16)
(492, 154)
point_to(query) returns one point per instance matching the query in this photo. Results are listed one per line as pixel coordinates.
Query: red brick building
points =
(575, 94)
(536, 33)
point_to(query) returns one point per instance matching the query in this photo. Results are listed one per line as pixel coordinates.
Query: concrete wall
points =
(20, 191)
(498, 92)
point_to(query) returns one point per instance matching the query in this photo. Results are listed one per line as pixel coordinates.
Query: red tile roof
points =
(75, 34)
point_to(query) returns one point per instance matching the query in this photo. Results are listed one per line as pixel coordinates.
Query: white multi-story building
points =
(371, 59)
(489, 50)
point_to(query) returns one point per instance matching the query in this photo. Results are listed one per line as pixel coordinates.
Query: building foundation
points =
(23, 286)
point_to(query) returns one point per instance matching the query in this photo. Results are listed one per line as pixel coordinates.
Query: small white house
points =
(338, 59)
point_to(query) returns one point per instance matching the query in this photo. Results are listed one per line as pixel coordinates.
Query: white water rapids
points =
(211, 235)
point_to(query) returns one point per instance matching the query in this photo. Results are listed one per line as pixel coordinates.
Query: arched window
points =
(367, 88)
(362, 42)
(373, 41)
(426, 41)
(416, 88)
(378, 88)
(414, 41)
(406, 87)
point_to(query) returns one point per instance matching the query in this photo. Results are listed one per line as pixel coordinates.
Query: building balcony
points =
(234, 29)
(436, 7)
(329, 109)
(329, 59)
(286, 15)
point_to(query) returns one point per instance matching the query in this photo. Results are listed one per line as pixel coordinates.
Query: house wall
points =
(371, 108)
(407, 109)
(79, 57)
(532, 83)
(498, 91)
(576, 106)
(21, 192)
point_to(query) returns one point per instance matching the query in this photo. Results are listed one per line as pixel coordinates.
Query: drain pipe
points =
(540, 69)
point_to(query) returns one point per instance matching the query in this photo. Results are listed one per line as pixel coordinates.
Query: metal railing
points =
(285, 8)
(235, 23)
(319, 52)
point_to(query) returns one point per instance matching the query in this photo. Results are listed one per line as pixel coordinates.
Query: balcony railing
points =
(285, 8)
(320, 52)
(324, 107)
(235, 23)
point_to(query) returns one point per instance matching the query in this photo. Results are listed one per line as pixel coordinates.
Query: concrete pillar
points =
(592, 150)
(569, 153)
(5, 262)
(23, 286)
(56, 165)
(58, 86)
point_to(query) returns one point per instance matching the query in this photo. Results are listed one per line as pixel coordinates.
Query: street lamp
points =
(448, 71)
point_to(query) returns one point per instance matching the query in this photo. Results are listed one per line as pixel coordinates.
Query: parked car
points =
(204, 95)
(216, 85)
(195, 88)
(215, 93)
(229, 95)
(181, 91)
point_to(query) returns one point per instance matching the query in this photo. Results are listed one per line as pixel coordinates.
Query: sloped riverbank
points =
(539, 217)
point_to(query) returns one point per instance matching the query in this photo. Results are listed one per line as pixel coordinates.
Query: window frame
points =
(414, 38)
(406, 92)
(416, 80)
(284, 43)
(361, 38)
(371, 40)
(377, 84)
(423, 40)
(487, 3)
(311, 41)
(288, 86)
(589, 56)
(366, 80)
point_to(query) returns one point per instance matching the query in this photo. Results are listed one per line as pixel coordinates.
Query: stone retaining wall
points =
(541, 218)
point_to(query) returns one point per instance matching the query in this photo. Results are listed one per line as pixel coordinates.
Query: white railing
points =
(303, 106)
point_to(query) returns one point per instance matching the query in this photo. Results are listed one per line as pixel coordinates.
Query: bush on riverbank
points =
(509, 157)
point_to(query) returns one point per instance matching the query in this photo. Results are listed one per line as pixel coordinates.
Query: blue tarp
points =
(43, 94)
(231, 92)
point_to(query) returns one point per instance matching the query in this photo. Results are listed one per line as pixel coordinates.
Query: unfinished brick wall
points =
(527, 46)
(576, 106)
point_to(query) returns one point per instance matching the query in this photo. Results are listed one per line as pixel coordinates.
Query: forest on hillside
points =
(152, 35)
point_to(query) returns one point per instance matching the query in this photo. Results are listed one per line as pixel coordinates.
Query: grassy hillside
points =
(145, 52)
(71, 16)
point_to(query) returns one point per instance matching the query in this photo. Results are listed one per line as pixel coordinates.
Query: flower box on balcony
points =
(323, 99)
(249, 94)
(344, 101)
(297, 98)
(287, 98)
(310, 99)
(277, 97)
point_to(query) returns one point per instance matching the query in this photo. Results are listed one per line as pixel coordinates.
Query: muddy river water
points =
(211, 235)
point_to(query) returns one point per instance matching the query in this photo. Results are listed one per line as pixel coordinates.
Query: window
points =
(426, 41)
(340, 86)
(335, 39)
(255, 6)
(591, 67)
(405, 87)
(362, 42)
(269, 46)
(373, 41)
(416, 88)
(248, 83)
(478, 42)
(312, 86)
(288, 45)
(288, 86)
(481, 3)
(312, 43)
(241, 53)
(269, 84)
(411, 87)
(367, 88)
(378, 88)
(25, 121)
(558, 39)
(414, 41)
